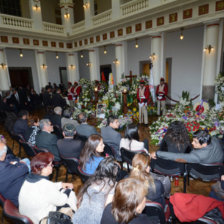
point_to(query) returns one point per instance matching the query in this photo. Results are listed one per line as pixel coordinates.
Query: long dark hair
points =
(89, 150)
(178, 134)
(105, 173)
(131, 132)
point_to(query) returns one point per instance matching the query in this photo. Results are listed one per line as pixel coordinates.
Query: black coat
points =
(58, 101)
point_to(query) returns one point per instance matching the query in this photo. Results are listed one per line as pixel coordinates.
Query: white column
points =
(209, 73)
(35, 12)
(67, 15)
(156, 48)
(73, 67)
(121, 57)
(116, 10)
(89, 12)
(4, 72)
(41, 68)
(94, 64)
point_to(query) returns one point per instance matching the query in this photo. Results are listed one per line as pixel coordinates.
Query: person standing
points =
(143, 96)
(161, 93)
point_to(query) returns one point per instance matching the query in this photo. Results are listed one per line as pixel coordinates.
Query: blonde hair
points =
(140, 162)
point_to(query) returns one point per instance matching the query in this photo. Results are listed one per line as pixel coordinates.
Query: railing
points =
(134, 6)
(102, 17)
(78, 26)
(54, 28)
(16, 22)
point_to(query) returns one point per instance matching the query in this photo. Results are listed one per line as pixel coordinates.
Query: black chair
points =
(169, 168)
(84, 176)
(156, 209)
(19, 139)
(108, 150)
(205, 172)
(29, 150)
(2, 202)
(71, 165)
(127, 156)
(12, 213)
(58, 132)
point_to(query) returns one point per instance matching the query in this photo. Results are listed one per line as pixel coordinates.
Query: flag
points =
(111, 81)
(103, 79)
(151, 86)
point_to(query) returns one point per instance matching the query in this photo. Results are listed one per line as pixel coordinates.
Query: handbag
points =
(56, 218)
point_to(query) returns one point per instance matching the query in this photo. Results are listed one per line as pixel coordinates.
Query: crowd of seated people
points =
(104, 198)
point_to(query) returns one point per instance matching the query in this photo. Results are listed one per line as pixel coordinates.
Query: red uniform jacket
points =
(163, 93)
(146, 94)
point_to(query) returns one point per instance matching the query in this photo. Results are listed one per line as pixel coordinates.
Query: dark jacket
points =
(48, 141)
(20, 127)
(86, 130)
(58, 100)
(70, 147)
(12, 178)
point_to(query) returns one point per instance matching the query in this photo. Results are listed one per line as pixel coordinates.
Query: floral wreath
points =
(201, 107)
(219, 83)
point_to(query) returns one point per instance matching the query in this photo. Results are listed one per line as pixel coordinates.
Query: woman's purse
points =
(56, 218)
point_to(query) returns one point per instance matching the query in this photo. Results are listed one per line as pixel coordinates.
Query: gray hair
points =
(82, 117)
(67, 113)
(3, 150)
(58, 110)
(43, 123)
(69, 130)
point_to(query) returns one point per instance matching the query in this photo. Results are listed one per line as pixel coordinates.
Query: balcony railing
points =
(16, 22)
(54, 28)
(102, 17)
(134, 6)
(78, 26)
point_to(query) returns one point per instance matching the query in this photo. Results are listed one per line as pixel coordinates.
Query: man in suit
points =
(84, 129)
(46, 140)
(70, 146)
(206, 150)
(21, 125)
(112, 137)
(58, 100)
(47, 96)
(55, 118)
(12, 175)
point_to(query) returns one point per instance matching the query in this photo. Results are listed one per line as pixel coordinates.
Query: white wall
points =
(83, 69)
(186, 57)
(135, 55)
(53, 65)
(28, 60)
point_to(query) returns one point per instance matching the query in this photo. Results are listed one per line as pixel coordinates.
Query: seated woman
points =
(140, 164)
(128, 203)
(96, 193)
(176, 139)
(31, 133)
(39, 196)
(90, 156)
(131, 140)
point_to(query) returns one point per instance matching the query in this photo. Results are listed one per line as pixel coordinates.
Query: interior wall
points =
(107, 59)
(78, 11)
(28, 60)
(135, 55)
(83, 69)
(102, 6)
(186, 57)
(53, 65)
(48, 9)
(25, 10)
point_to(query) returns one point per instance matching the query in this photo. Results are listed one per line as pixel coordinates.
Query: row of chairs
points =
(205, 172)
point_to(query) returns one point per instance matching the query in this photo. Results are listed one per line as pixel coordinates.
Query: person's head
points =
(58, 110)
(69, 130)
(33, 121)
(129, 199)
(201, 139)
(3, 151)
(42, 163)
(23, 114)
(58, 90)
(162, 81)
(106, 172)
(93, 147)
(178, 134)
(131, 132)
(142, 83)
(45, 125)
(67, 113)
(113, 122)
(82, 118)
(2, 139)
